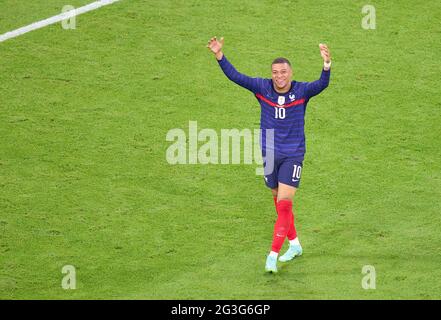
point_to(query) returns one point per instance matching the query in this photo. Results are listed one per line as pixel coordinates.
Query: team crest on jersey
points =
(292, 97)
(281, 100)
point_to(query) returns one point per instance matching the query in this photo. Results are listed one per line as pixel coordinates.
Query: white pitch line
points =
(64, 16)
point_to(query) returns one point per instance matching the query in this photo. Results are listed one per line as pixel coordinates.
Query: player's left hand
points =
(215, 45)
(324, 51)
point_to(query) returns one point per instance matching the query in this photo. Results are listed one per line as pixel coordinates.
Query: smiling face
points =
(281, 73)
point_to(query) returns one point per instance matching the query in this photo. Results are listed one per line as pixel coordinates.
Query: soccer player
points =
(283, 106)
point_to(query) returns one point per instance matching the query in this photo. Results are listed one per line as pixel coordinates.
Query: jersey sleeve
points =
(252, 84)
(314, 88)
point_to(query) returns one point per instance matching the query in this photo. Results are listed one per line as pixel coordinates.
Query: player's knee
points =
(283, 197)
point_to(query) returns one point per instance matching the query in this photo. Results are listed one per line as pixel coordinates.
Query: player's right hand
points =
(214, 45)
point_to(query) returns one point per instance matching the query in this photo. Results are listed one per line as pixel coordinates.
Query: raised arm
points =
(315, 87)
(242, 80)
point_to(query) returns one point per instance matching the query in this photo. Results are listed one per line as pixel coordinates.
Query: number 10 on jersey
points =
(280, 113)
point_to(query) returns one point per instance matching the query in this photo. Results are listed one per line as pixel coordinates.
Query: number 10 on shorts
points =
(296, 173)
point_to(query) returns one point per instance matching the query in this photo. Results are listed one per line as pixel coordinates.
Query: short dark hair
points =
(281, 60)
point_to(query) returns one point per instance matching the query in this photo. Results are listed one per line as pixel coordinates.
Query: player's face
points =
(281, 74)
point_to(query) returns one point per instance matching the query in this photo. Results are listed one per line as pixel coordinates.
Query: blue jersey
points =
(285, 113)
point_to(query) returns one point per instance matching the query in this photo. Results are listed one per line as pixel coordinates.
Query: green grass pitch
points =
(84, 180)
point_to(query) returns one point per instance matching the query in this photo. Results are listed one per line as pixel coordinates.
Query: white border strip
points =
(64, 16)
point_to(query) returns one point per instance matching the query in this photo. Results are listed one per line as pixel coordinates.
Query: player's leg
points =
(283, 223)
(289, 180)
(287, 193)
(271, 182)
(274, 193)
